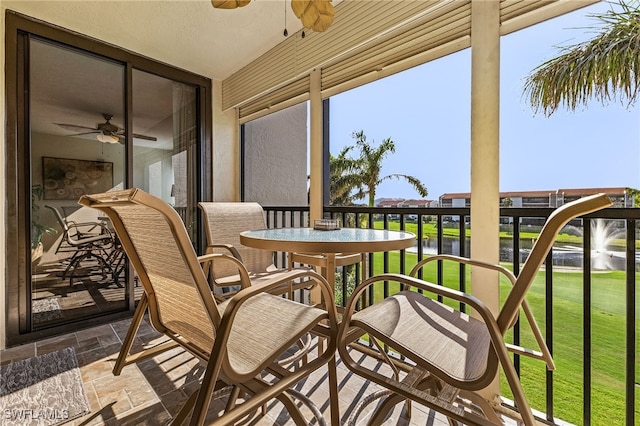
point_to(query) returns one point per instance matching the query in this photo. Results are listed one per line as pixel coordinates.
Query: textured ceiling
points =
(190, 35)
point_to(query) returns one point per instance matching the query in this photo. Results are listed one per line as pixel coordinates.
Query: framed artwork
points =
(68, 179)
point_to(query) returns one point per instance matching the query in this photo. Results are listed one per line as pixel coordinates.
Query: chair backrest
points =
(157, 243)
(223, 222)
(558, 219)
(60, 219)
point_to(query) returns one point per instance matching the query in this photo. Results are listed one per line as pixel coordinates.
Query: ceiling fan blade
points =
(121, 134)
(145, 137)
(74, 127)
(86, 133)
(105, 128)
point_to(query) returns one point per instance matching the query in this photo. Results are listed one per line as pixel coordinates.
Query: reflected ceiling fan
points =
(106, 132)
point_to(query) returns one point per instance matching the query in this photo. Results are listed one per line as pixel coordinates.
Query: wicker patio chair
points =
(238, 339)
(451, 355)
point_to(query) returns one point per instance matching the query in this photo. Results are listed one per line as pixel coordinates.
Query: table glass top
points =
(336, 235)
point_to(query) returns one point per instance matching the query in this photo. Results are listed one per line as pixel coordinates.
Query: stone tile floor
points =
(151, 392)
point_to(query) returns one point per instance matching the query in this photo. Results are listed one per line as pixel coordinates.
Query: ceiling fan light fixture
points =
(314, 14)
(229, 4)
(107, 138)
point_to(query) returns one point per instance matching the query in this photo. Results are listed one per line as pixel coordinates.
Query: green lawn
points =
(429, 230)
(608, 341)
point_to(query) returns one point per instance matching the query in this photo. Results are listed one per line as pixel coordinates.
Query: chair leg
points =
(185, 410)
(516, 388)
(72, 262)
(131, 334)
(124, 356)
(233, 396)
(73, 265)
(383, 410)
(106, 267)
(483, 404)
(334, 403)
(418, 379)
(292, 409)
(204, 394)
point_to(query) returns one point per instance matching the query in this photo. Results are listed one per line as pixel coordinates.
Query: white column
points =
(315, 150)
(485, 146)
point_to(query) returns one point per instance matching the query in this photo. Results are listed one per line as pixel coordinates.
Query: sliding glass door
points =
(165, 165)
(76, 110)
(85, 117)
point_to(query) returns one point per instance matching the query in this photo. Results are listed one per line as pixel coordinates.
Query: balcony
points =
(595, 382)
(151, 392)
(593, 332)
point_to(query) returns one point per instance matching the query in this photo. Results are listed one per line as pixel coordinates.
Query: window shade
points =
(370, 40)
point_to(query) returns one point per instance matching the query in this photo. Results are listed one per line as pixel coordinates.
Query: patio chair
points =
(451, 354)
(238, 339)
(84, 244)
(224, 221)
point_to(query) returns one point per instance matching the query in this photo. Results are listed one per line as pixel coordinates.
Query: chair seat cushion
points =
(429, 333)
(264, 325)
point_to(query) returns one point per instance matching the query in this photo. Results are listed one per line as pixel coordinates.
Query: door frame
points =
(17, 282)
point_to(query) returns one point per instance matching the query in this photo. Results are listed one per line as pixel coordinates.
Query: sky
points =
(426, 112)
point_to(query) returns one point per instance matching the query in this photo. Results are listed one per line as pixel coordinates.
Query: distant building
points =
(418, 203)
(550, 198)
(389, 202)
(401, 202)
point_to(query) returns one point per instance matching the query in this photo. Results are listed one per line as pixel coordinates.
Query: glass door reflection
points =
(167, 167)
(77, 145)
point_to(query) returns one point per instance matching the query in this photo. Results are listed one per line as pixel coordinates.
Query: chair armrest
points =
(104, 240)
(544, 354)
(207, 260)
(466, 261)
(268, 286)
(498, 345)
(409, 281)
(91, 225)
(229, 247)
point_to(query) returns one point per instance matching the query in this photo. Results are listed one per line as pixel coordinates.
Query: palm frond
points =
(605, 68)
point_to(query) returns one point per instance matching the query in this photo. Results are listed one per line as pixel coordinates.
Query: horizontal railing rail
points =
(452, 230)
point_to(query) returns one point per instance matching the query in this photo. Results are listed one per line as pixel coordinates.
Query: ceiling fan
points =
(105, 132)
(314, 14)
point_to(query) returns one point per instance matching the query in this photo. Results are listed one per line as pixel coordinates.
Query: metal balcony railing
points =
(605, 301)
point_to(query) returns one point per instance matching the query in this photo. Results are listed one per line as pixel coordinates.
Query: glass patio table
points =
(327, 243)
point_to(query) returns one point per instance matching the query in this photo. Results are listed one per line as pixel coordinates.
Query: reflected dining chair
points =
(452, 355)
(82, 240)
(239, 339)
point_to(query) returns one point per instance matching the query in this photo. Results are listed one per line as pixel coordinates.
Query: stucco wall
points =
(276, 158)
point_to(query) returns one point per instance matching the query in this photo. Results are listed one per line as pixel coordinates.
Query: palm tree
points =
(367, 167)
(345, 184)
(604, 68)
